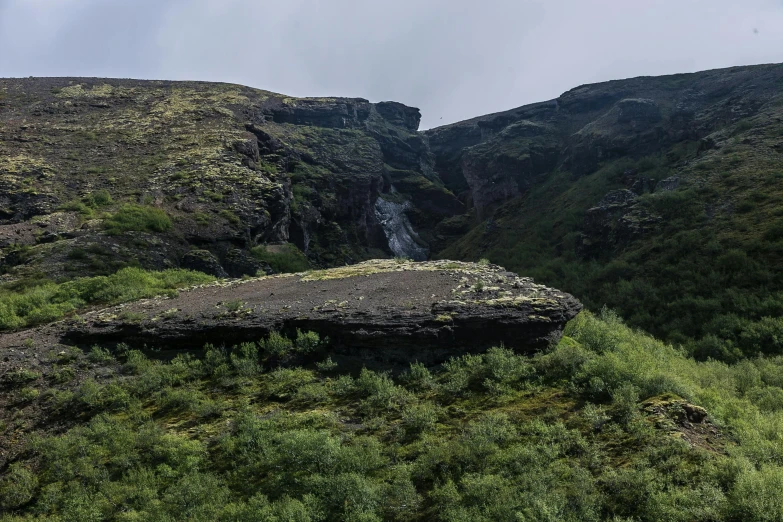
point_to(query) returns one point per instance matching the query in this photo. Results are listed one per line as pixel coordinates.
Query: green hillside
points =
(695, 259)
(601, 427)
(140, 220)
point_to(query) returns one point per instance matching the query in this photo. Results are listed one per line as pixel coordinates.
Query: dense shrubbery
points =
(282, 258)
(46, 301)
(558, 436)
(139, 218)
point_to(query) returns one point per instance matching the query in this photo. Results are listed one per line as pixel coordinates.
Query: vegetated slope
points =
(601, 427)
(659, 197)
(609, 424)
(96, 174)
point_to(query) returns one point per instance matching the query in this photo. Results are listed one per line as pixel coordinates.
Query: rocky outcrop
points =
(685, 421)
(509, 163)
(617, 220)
(382, 310)
(203, 261)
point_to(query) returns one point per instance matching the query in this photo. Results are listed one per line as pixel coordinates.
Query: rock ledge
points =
(384, 310)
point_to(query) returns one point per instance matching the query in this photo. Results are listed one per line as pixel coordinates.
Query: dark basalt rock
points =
(668, 184)
(509, 163)
(337, 113)
(382, 311)
(400, 115)
(239, 263)
(203, 261)
(617, 220)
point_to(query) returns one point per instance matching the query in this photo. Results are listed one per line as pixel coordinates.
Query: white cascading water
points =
(398, 230)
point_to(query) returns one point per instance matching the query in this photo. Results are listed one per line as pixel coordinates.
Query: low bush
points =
(142, 218)
(49, 301)
(574, 438)
(282, 258)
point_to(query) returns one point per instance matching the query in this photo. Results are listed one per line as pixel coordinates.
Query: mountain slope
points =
(659, 197)
(95, 173)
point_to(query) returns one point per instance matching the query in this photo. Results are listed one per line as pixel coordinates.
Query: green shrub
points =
(418, 377)
(87, 205)
(167, 440)
(140, 218)
(230, 217)
(757, 495)
(282, 258)
(327, 365)
(98, 355)
(17, 487)
(244, 359)
(277, 345)
(421, 417)
(49, 301)
(28, 394)
(20, 377)
(99, 198)
(378, 393)
(306, 342)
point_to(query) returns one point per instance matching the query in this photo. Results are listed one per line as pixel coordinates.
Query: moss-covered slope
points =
(659, 197)
(99, 173)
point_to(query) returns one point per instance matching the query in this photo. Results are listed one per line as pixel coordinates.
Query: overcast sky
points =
(454, 59)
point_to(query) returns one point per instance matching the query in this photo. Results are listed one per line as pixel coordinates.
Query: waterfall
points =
(399, 232)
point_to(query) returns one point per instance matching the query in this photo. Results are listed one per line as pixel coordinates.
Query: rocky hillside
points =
(659, 197)
(96, 174)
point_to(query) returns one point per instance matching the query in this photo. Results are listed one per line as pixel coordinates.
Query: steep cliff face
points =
(227, 167)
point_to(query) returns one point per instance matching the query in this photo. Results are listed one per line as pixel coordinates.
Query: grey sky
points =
(454, 59)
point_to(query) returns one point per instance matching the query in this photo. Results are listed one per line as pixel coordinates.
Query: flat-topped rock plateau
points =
(389, 311)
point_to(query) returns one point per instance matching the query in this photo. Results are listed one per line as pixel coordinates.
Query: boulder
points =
(203, 261)
(668, 184)
(617, 220)
(381, 311)
(240, 263)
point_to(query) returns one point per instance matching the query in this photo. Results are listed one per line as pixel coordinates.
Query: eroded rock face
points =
(508, 164)
(617, 220)
(233, 167)
(382, 310)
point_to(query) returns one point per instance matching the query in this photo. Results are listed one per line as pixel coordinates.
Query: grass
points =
(568, 434)
(142, 218)
(283, 259)
(46, 301)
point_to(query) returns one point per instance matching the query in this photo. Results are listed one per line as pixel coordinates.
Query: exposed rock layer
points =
(384, 310)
